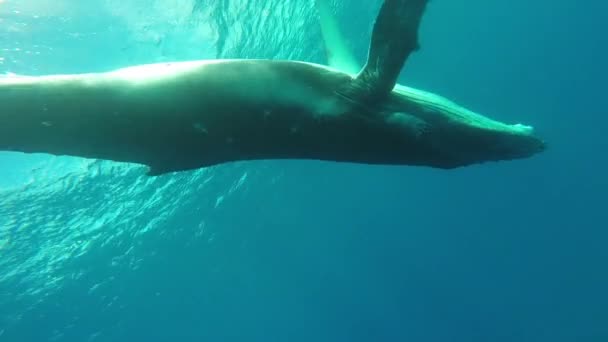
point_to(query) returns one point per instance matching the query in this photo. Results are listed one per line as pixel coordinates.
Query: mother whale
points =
(186, 115)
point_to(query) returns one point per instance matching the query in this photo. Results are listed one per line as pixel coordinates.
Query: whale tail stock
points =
(394, 39)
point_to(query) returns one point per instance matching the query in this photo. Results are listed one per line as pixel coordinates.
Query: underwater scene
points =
(306, 222)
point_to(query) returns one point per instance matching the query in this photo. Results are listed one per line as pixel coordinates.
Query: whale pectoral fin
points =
(394, 38)
(339, 56)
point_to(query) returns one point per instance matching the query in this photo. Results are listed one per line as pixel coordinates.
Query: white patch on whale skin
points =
(138, 73)
(254, 83)
(153, 71)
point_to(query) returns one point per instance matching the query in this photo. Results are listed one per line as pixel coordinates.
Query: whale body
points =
(186, 115)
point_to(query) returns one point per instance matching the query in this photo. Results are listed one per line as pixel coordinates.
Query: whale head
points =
(455, 136)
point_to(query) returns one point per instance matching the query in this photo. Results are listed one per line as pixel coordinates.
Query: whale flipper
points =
(339, 56)
(394, 38)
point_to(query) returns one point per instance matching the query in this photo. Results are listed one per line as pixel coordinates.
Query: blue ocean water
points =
(316, 251)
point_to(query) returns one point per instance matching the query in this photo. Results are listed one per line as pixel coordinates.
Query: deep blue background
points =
(302, 251)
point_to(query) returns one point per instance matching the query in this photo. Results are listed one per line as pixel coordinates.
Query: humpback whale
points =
(187, 115)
